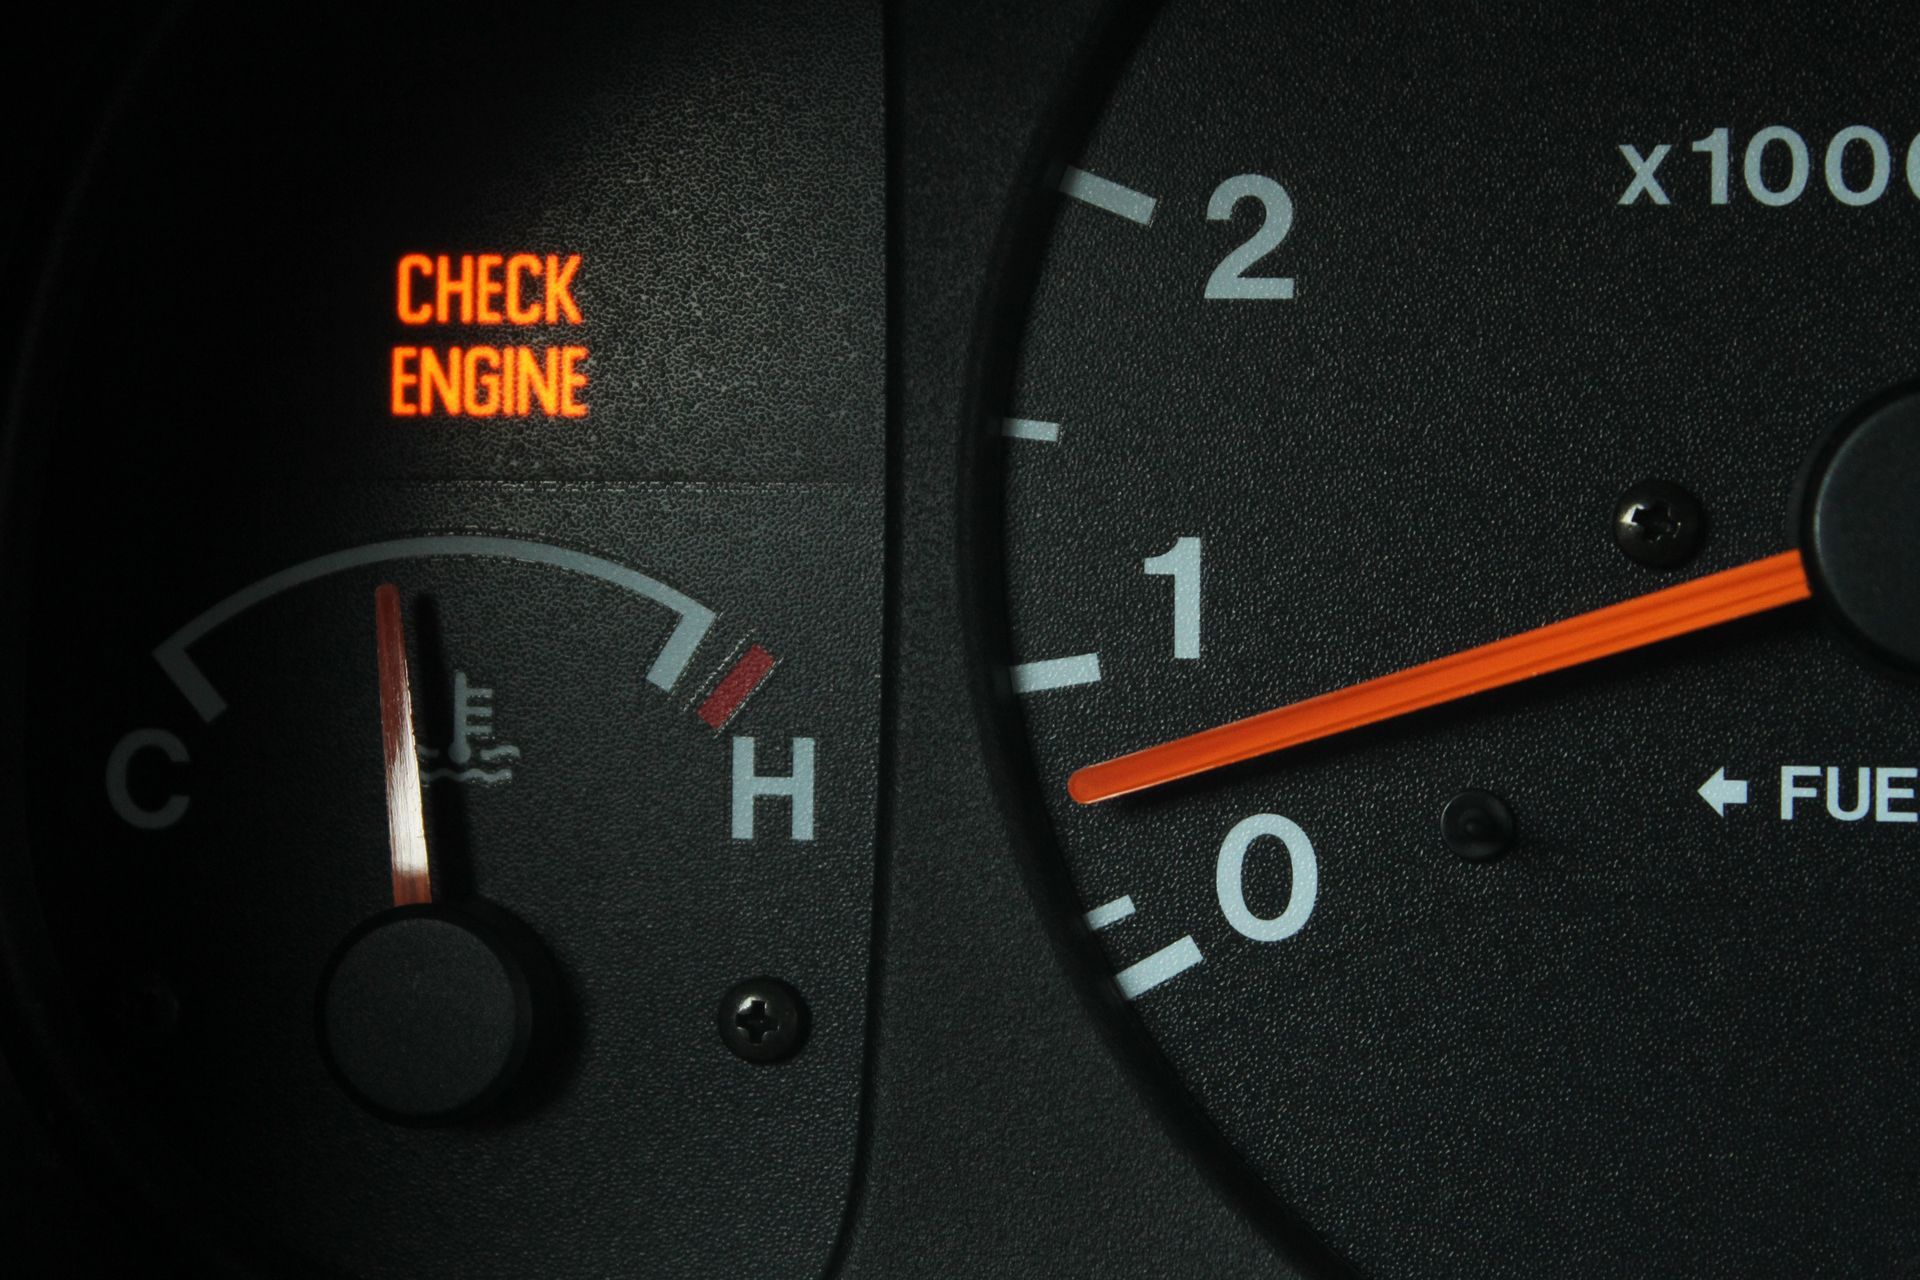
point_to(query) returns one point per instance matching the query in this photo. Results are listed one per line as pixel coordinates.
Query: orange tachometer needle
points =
(406, 816)
(1631, 624)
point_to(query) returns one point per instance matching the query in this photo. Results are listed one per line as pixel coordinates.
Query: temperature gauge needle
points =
(1632, 624)
(406, 815)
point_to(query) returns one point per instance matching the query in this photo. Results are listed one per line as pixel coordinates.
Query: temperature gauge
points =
(448, 767)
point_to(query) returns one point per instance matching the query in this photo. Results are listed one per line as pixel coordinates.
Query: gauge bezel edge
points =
(999, 331)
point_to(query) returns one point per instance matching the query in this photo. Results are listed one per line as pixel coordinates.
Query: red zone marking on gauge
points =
(736, 686)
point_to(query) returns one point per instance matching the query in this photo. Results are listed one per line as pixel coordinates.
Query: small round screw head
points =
(763, 1020)
(1477, 825)
(1659, 524)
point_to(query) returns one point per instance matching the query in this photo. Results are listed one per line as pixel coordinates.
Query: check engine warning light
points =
(521, 290)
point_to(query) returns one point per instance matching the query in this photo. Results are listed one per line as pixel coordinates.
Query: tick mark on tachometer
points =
(1056, 673)
(1031, 429)
(1167, 963)
(1105, 194)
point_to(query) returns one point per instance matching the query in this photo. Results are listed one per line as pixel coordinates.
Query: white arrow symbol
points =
(1721, 791)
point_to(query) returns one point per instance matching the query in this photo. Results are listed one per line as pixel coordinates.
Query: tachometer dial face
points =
(1496, 382)
(444, 613)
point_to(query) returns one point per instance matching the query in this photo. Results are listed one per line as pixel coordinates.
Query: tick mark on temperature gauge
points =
(145, 773)
(694, 618)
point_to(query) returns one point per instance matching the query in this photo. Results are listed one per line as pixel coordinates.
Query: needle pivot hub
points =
(433, 1013)
(1860, 517)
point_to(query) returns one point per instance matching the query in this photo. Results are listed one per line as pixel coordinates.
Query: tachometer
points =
(1460, 575)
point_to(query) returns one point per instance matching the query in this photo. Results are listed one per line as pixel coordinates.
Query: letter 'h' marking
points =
(796, 788)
